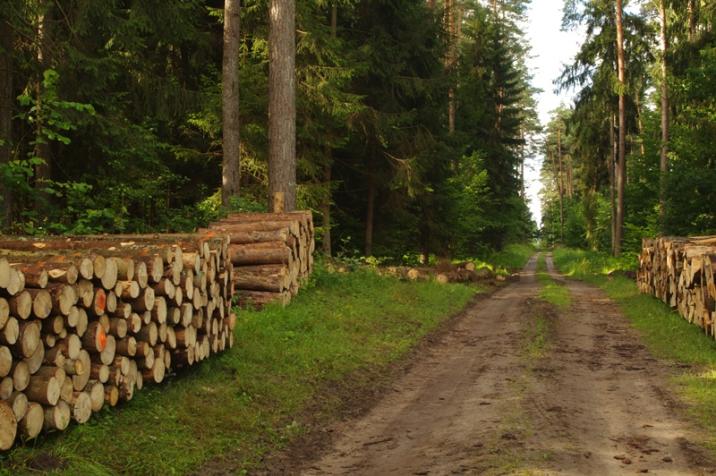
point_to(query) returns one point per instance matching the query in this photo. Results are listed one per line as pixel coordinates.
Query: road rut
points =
(477, 402)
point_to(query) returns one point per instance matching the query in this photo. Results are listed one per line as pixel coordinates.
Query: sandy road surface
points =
(590, 401)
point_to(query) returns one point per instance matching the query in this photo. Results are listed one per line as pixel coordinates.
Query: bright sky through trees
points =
(551, 48)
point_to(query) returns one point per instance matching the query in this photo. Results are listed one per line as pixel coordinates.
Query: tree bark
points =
(370, 216)
(612, 162)
(621, 160)
(664, 155)
(561, 183)
(43, 171)
(327, 169)
(282, 101)
(450, 17)
(231, 164)
(6, 102)
(692, 9)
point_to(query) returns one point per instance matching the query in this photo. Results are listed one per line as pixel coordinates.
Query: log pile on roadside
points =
(271, 254)
(443, 273)
(87, 321)
(680, 272)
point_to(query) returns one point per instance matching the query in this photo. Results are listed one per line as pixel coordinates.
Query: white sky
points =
(551, 48)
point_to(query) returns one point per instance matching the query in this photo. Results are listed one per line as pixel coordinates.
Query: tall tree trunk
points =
(282, 101)
(560, 184)
(43, 170)
(664, 155)
(370, 216)
(6, 103)
(621, 164)
(612, 179)
(451, 58)
(557, 180)
(692, 10)
(640, 126)
(231, 163)
(327, 169)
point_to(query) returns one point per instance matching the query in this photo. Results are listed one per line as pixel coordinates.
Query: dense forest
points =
(634, 155)
(413, 119)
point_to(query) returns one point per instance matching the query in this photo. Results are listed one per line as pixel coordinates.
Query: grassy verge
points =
(512, 257)
(247, 401)
(552, 291)
(666, 334)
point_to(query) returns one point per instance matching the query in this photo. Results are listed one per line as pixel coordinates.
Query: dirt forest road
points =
(501, 393)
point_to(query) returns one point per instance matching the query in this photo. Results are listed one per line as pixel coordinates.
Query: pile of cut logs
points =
(443, 273)
(680, 272)
(271, 254)
(87, 321)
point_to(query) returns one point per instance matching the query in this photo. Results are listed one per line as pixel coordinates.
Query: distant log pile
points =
(465, 272)
(271, 253)
(87, 321)
(680, 272)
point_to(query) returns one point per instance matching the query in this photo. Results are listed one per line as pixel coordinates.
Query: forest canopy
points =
(413, 119)
(669, 128)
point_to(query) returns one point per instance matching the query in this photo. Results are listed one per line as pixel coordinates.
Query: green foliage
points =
(552, 291)
(687, 187)
(583, 264)
(342, 333)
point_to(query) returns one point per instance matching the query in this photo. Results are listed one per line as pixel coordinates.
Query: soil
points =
(517, 386)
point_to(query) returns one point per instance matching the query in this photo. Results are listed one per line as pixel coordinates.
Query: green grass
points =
(665, 332)
(341, 332)
(512, 257)
(552, 291)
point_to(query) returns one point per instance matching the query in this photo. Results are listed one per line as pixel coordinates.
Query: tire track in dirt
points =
(453, 399)
(615, 413)
(593, 402)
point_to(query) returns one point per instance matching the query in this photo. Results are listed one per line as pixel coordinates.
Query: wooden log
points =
(96, 393)
(260, 253)
(36, 275)
(10, 332)
(31, 425)
(145, 301)
(107, 354)
(57, 417)
(149, 333)
(34, 362)
(4, 312)
(111, 395)
(28, 338)
(43, 389)
(4, 273)
(95, 339)
(70, 347)
(7, 387)
(64, 297)
(21, 305)
(128, 290)
(99, 372)
(66, 390)
(5, 361)
(79, 381)
(118, 327)
(81, 405)
(18, 401)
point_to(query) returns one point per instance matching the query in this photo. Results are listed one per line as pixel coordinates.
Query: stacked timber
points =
(87, 321)
(271, 254)
(680, 272)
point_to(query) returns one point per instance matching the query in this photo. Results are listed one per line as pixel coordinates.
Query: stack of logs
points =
(271, 254)
(87, 321)
(680, 272)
